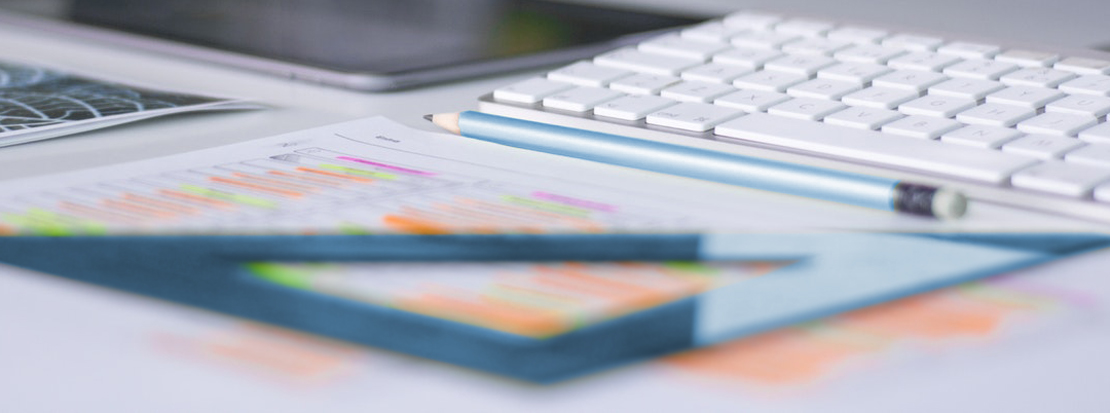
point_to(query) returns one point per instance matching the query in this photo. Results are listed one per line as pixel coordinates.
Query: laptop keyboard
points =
(992, 120)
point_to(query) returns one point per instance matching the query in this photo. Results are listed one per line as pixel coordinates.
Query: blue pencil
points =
(794, 179)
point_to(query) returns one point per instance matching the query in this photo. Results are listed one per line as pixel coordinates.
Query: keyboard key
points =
(994, 114)
(751, 20)
(1037, 77)
(580, 99)
(762, 40)
(588, 74)
(1102, 193)
(823, 89)
(698, 117)
(969, 50)
(980, 69)
(1083, 66)
(1062, 124)
(936, 106)
(693, 91)
(876, 148)
(769, 81)
(530, 91)
(1097, 154)
(880, 97)
(1097, 134)
(806, 109)
(1061, 178)
(711, 32)
(673, 45)
(1042, 146)
(751, 100)
(633, 107)
(1094, 106)
(819, 46)
(926, 61)
(1028, 58)
(657, 64)
(974, 89)
(858, 73)
(804, 27)
(867, 53)
(644, 84)
(863, 118)
(802, 65)
(1025, 96)
(750, 58)
(857, 34)
(921, 127)
(1097, 85)
(979, 136)
(913, 42)
(914, 80)
(715, 72)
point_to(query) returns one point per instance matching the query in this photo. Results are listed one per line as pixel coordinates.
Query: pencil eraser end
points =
(949, 204)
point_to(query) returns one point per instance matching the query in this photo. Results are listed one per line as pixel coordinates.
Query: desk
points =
(137, 354)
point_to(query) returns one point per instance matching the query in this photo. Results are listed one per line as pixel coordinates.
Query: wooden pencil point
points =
(447, 121)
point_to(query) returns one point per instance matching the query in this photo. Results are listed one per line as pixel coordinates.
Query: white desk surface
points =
(1044, 370)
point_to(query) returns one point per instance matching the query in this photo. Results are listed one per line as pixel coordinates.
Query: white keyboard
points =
(1007, 125)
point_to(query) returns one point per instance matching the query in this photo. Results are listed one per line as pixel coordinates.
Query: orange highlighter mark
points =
(490, 313)
(215, 203)
(334, 174)
(259, 187)
(798, 355)
(785, 356)
(278, 353)
(928, 316)
(173, 206)
(414, 226)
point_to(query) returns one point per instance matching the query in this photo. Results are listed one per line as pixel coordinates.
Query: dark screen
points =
(380, 36)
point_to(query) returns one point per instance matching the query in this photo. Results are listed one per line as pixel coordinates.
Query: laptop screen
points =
(377, 36)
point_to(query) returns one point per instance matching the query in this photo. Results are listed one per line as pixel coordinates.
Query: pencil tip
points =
(428, 118)
(447, 121)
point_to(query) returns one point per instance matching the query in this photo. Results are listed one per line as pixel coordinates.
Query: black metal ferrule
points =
(914, 199)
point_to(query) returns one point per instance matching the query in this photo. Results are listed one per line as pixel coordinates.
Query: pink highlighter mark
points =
(566, 200)
(389, 167)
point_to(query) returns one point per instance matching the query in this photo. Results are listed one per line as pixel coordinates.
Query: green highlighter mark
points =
(691, 267)
(281, 274)
(38, 225)
(546, 206)
(50, 223)
(347, 228)
(356, 171)
(228, 196)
